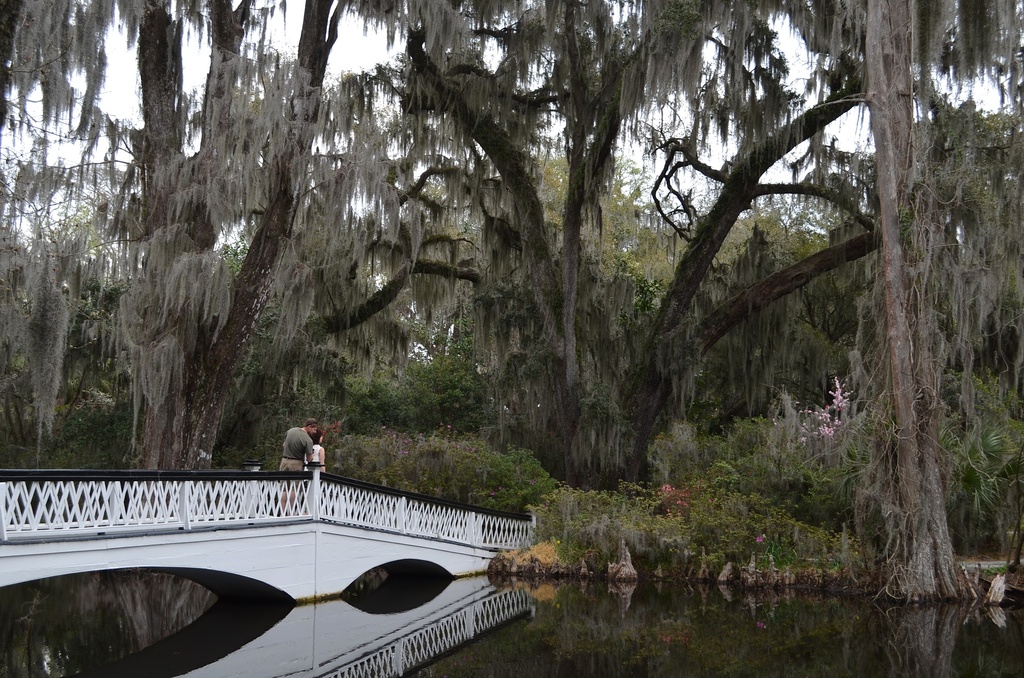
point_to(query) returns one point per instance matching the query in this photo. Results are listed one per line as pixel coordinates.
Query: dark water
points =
(674, 631)
(144, 625)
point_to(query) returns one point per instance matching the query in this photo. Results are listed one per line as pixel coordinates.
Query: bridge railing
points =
(425, 645)
(65, 504)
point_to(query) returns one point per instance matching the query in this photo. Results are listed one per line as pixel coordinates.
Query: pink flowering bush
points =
(675, 501)
(825, 422)
(821, 432)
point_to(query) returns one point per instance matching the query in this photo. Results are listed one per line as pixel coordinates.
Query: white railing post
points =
(116, 499)
(3, 512)
(403, 512)
(398, 658)
(185, 504)
(469, 619)
(476, 529)
(313, 498)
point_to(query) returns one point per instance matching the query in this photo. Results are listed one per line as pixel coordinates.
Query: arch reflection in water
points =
(333, 638)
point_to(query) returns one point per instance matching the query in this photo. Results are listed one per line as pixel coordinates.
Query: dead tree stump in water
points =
(996, 590)
(726, 575)
(623, 570)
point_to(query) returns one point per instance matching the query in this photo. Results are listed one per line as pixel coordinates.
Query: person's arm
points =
(310, 449)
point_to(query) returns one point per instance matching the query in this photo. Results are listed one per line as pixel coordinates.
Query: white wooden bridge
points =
(298, 535)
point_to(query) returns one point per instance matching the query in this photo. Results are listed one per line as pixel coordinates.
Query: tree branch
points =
(446, 270)
(513, 165)
(377, 302)
(383, 297)
(779, 284)
(421, 182)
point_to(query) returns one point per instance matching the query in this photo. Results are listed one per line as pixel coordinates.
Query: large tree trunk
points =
(909, 460)
(182, 418)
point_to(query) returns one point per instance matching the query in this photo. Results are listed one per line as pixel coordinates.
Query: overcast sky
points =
(354, 51)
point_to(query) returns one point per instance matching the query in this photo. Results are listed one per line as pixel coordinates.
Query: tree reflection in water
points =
(67, 625)
(670, 630)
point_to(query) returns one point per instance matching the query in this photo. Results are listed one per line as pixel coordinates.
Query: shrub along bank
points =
(696, 531)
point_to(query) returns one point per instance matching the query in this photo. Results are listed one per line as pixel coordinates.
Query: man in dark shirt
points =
(298, 446)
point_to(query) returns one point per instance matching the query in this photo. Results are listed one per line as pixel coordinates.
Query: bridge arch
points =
(229, 585)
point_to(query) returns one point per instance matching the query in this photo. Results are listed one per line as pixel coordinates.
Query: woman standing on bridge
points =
(319, 455)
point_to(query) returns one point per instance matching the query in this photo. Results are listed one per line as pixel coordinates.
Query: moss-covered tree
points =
(250, 154)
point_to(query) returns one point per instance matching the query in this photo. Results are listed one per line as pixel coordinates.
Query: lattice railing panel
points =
(353, 505)
(147, 502)
(377, 665)
(504, 532)
(439, 521)
(425, 644)
(70, 505)
(501, 608)
(238, 500)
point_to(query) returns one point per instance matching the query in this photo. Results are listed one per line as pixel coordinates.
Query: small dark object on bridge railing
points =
(251, 465)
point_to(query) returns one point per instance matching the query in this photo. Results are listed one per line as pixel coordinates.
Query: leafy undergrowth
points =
(688, 532)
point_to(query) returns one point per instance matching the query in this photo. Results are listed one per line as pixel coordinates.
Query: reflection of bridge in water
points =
(332, 639)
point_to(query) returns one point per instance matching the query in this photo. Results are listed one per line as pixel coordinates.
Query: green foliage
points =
(94, 434)
(234, 254)
(681, 16)
(985, 475)
(763, 487)
(984, 454)
(443, 464)
(372, 404)
(97, 435)
(445, 389)
(804, 474)
(669, 527)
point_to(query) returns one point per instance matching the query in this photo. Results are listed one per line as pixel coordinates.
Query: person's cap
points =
(309, 422)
